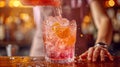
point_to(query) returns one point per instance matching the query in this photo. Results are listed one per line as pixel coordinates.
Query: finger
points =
(109, 55)
(96, 53)
(102, 55)
(83, 56)
(90, 53)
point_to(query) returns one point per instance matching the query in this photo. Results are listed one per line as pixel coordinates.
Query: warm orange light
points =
(11, 3)
(2, 3)
(111, 3)
(81, 35)
(16, 3)
(24, 16)
(86, 19)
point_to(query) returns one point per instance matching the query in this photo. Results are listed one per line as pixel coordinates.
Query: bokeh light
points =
(2, 3)
(110, 3)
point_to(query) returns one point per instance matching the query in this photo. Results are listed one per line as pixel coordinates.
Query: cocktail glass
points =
(59, 39)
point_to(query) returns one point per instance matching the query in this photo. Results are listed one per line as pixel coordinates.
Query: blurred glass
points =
(59, 39)
(12, 50)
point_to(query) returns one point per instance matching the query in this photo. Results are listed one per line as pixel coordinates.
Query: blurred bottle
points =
(2, 30)
(9, 28)
(7, 33)
(18, 34)
(12, 50)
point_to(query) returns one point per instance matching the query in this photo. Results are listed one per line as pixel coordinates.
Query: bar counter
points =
(25, 61)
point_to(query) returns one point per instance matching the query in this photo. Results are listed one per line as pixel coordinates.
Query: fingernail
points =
(112, 59)
(102, 60)
(89, 58)
(94, 60)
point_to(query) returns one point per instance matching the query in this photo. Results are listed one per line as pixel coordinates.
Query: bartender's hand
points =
(93, 53)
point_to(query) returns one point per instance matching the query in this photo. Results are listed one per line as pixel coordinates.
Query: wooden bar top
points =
(25, 61)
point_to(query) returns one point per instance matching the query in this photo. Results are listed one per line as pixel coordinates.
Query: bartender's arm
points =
(104, 34)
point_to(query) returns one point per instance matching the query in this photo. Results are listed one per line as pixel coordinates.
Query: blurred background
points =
(17, 25)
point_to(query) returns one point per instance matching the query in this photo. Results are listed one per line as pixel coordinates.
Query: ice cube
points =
(64, 22)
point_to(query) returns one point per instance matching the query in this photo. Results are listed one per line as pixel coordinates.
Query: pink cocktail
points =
(59, 38)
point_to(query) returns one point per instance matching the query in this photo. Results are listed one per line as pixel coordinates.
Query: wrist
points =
(104, 45)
